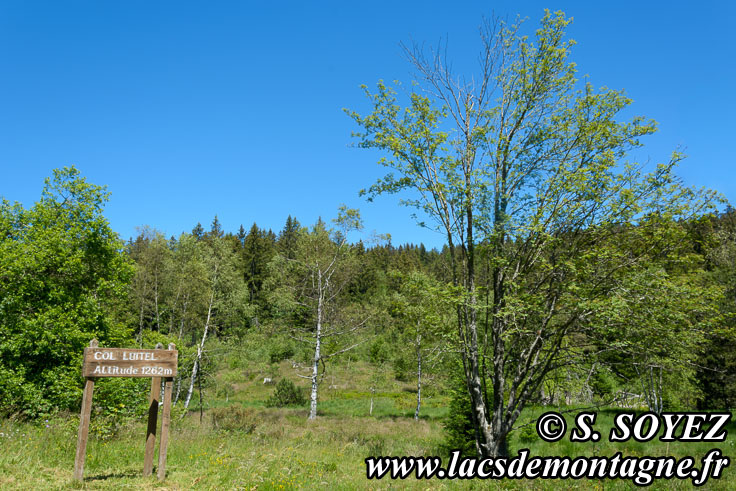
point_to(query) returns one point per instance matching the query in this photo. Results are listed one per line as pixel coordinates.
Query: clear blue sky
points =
(190, 109)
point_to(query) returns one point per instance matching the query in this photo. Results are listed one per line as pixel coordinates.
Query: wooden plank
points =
(83, 431)
(154, 399)
(165, 423)
(153, 402)
(125, 362)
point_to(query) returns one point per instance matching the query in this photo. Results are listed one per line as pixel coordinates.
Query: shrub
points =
(281, 352)
(234, 418)
(286, 394)
(225, 391)
(379, 352)
(528, 434)
(401, 369)
(459, 429)
(602, 383)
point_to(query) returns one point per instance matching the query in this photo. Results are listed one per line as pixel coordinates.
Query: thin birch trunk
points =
(155, 300)
(200, 347)
(178, 389)
(419, 376)
(192, 378)
(317, 346)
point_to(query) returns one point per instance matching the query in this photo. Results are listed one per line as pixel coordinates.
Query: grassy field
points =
(241, 444)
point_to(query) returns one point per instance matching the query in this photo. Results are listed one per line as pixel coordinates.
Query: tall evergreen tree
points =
(198, 231)
(216, 229)
(258, 249)
(287, 241)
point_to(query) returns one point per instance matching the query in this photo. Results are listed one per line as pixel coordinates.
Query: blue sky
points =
(190, 109)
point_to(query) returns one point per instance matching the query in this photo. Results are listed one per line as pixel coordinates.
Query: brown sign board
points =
(125, 362)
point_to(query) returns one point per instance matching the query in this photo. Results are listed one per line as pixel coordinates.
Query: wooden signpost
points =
(123, 362)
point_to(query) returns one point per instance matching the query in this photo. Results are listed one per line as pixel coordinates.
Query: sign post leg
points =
(165, 422)
(152, 423)
(89, 387)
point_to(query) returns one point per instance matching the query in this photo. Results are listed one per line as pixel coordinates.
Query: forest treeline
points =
(66, 277)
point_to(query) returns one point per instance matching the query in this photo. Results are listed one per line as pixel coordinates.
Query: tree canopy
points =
(524, 169)
(63, 280)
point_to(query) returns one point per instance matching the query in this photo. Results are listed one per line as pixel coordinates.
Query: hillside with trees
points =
(571, 276)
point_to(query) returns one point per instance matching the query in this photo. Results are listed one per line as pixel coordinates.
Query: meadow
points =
(239, 443)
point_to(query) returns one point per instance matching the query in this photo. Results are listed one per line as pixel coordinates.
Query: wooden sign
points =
(123, 362)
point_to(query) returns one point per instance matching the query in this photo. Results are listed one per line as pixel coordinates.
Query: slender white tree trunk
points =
(200, 347)
(419, 376)
(192, 379)
(155, 299)
(178, 389)
(318, 341)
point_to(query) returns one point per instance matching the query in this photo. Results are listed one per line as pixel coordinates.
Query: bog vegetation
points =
(571, 276)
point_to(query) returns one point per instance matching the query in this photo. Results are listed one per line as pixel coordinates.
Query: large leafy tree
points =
(528, 164)
(62, 278)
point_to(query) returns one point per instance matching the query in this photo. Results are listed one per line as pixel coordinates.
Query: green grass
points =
(266, 448)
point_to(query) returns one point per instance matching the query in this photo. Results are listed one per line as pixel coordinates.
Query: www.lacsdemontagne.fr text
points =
(641, 471)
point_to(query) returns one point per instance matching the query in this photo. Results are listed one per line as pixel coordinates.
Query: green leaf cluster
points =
(63, 281)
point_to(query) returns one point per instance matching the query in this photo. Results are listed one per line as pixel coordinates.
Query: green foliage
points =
(379, 351)
(117, 402)
(402, 367)
(603, 383)
(459, 429)
(554, 236)
(258, 249)
(280, 350)
(286, 394)
(528, 434)
(17, 395)
(63, 281)
(715, 239)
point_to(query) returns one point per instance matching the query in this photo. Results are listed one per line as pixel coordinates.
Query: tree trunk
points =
(200, 347)
(419, 376)
(178, 389)
(155, 299)
(191, 380)
(201, 402)
(318, 341)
